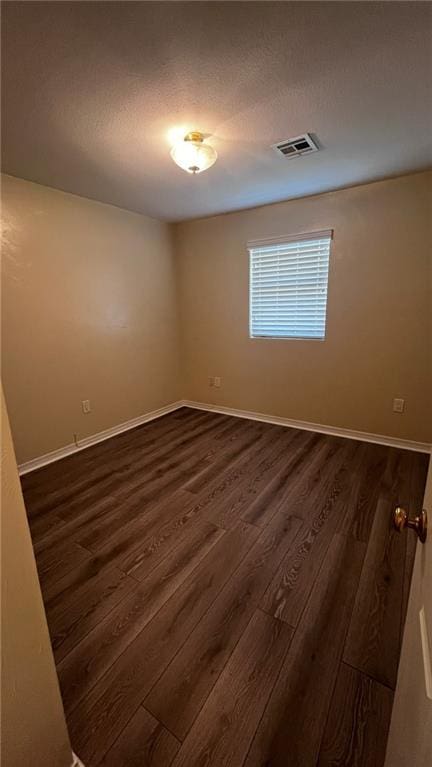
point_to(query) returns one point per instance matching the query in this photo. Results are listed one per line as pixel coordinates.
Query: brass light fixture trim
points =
(419, 524)
(194, 135)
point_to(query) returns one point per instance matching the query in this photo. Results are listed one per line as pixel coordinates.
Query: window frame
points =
(281, 240)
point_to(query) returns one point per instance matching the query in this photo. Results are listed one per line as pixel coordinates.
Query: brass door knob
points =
(419, 524)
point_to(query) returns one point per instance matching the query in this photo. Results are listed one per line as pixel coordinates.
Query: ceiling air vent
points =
(293, 147)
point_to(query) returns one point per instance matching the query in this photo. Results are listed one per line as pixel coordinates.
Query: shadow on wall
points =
(32, 733)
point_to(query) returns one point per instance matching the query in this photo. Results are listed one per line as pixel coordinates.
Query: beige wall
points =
(89, 312)
(33, 725)
(378, 343)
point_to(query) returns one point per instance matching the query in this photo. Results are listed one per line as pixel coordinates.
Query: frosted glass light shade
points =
(192, 154)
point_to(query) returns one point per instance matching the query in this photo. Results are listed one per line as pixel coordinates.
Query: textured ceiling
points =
(91, 91)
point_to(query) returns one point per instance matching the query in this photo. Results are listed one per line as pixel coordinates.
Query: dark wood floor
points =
(226, 592)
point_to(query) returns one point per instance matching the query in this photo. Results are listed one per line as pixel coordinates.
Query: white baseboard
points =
(379, 439)
(335, 431)
(75, 761)
(62, 452)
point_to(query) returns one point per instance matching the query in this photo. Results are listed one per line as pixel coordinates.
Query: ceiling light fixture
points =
(192, 154)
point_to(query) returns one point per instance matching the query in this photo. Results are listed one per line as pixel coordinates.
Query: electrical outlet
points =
(211, 381)
(85, 404)
(217, 382)
(398, 405)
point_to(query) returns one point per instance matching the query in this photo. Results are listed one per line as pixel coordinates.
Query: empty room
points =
(216, 338)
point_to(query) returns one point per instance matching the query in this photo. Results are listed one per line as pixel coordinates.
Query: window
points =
(288, 286)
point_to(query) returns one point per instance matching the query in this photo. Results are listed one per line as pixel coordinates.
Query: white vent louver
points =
(294, 147)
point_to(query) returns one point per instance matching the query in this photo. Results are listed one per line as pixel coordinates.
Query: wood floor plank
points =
(178, 696)
(216, 496)
(172, 571)
(237, 452)
(185, 414)
(96, 509)
(103, 713)
(318, 462)
(396, 479)
(225, 727)
(163, 539)
(188, 530)
(89, 660)
(292, 726)
(66, 479)
(143, 743)
(260, 472)
(95, 458)
(158, 526)
(130, 491)
(144, 492)
(43, 526)
(103, 517)
(62, 590)
(313, 483)
(268, 502)
(119, 542)
(366, 475)
(73, 615)
(374, 638)
(148, 470)
(358, 722)
(289, 590)
(192, 507)
(147, 488)
(56, 562)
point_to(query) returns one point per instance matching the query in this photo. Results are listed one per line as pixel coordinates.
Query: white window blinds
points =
(288, 286)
